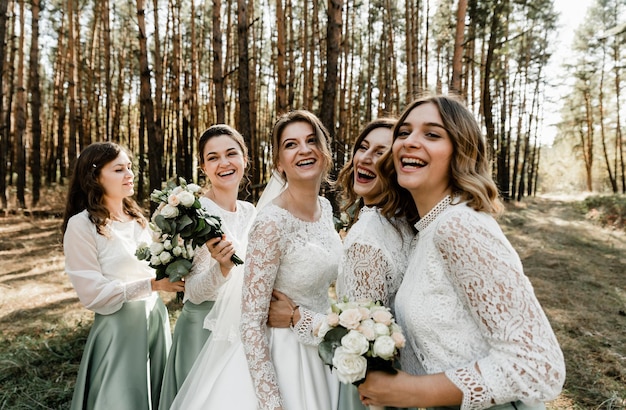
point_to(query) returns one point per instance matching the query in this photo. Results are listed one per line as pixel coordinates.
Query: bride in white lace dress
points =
(293, 248)
(375, 249)
(476, 335)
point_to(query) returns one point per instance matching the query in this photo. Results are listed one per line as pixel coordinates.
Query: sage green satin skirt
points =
(189, 338)
(124, 359)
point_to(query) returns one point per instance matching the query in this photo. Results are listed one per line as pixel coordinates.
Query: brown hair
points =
(345, 178)
(470, 170)
(322, 134)
(218, 130)
(85, 191)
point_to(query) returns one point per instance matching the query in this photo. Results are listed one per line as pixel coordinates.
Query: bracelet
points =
(292, 313)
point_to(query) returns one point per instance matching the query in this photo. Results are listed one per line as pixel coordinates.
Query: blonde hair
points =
(470, 169)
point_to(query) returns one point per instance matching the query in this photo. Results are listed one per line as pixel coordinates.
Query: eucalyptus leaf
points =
(163, 224)
(177, 269)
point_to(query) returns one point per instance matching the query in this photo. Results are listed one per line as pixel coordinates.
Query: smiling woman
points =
(292, 248)
(102, 228)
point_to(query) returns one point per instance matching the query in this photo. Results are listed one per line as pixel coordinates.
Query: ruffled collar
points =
(433, 214)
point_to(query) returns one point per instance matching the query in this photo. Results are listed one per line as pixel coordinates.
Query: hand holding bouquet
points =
(359, 336)
(179, 226)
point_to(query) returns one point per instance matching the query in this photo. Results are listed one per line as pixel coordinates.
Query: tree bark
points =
(4, 128)
(155, 141)
(459, 38)
(35, 104)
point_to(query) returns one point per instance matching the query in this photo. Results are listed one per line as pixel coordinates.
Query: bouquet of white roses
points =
(179, 226)
(359, 336)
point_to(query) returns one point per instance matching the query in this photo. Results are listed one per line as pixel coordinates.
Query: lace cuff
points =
(309, 320)
(204, 279)
(476, 395)
(137, 290)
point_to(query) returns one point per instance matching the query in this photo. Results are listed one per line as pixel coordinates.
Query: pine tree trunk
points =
(35, 104)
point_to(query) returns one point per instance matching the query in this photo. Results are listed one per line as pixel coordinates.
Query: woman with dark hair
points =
(476, 335)
(294, 248)
(126, 350)
(223, 160)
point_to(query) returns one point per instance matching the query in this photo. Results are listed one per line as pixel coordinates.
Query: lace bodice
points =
(375, 258)
(468, 310)
(205, 277)
(104, 270)
(295, 257)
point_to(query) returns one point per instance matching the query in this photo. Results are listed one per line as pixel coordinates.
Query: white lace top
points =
(298, 258)
(205, 277)
(465, 304)
(375, 257)
(104, 270)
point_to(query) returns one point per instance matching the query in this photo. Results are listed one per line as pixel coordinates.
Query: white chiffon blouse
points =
(468, 310)
(104, 270)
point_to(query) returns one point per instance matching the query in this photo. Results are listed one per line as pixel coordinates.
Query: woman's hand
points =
(283, 312)
(222, 250)
(167, 286)
(407, 390)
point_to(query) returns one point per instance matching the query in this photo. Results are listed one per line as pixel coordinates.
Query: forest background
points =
(153, 75)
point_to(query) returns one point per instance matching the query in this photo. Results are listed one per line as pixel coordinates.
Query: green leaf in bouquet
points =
(332, 340)
(143, 253)
(185, 226)
(177, 269)
(163, 224)
(202, 229)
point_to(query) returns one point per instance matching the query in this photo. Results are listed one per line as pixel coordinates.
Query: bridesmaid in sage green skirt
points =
(223, 159)
(124, 357)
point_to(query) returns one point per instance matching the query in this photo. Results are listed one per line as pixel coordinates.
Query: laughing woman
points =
(102, 228)
(476, 335)
(375, 249)
(292, 247)
(223, 159)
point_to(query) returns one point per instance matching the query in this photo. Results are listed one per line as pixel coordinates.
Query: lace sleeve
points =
(263, 258)
(525, 361)
(205, 277)
(307, 326)
(364, 274)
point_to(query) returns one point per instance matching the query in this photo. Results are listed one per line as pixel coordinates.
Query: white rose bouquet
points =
(359, 336)
(179, 226)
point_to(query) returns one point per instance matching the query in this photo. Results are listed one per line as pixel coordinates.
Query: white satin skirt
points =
(220, 377)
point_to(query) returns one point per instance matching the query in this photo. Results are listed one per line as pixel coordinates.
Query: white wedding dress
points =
(272, 368)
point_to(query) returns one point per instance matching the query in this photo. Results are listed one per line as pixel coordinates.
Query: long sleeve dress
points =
(268, 368)
(374, 260)
(125, 353)
(465, 304)
(202, 285)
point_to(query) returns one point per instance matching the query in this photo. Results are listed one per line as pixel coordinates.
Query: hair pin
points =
(93, 165)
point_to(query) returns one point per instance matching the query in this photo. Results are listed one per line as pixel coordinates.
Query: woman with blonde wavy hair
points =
(476, 335)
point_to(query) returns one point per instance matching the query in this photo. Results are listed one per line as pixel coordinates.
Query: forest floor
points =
(577, 269)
